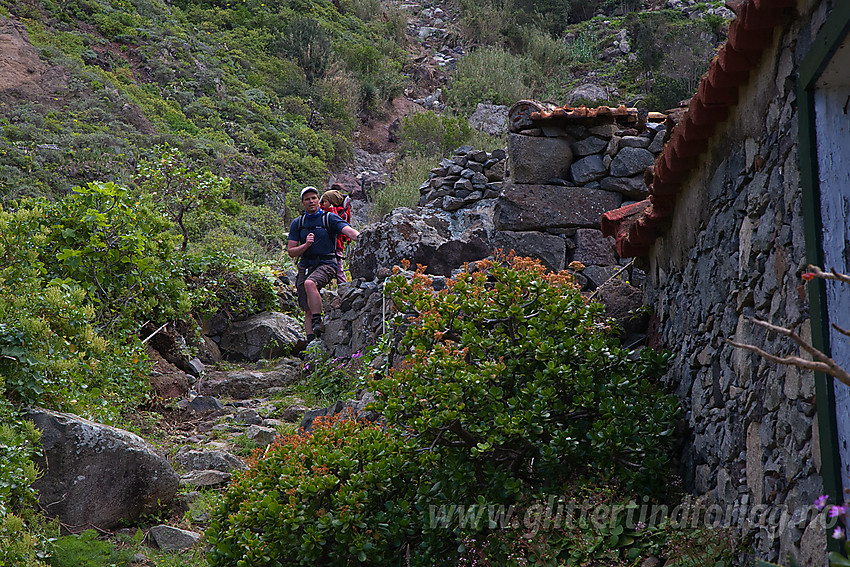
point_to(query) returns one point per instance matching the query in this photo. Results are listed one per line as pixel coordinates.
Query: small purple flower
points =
(820, 502)
(307, 366)
(357, 355)
(838, 533)
(836, 511)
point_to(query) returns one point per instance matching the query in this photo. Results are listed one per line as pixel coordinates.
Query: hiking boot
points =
(318, 325)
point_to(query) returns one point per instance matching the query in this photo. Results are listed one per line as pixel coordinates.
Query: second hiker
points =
(312, 236)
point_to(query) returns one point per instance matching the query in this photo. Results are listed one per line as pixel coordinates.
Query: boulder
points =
(190, 459)
(167, 380)
(168, 538)
(204, 478)
(440, 240)
(622, 302)
(534, 159)
(490, 118)
(245, 384)
(541, 207)
(261, 435)
(97, 475)
(587, 93)
(590, 145)
(549, 248)
(631, 161)
(264, 335)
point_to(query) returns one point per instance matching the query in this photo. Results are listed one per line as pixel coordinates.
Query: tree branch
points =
(830, 367)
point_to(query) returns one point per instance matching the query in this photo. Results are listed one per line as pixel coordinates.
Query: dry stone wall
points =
(736, 250)
(536, 198)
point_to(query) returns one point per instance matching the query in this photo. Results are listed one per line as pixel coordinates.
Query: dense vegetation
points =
(507, 389)
(156, 185)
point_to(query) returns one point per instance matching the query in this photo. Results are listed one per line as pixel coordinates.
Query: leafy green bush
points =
(18, 545)
(492, 74)
(509, 387)
(431, 134)
(340, 496)
(52, 353)
(510, 367)
(19, 443)
(219, 283)
(118, 250)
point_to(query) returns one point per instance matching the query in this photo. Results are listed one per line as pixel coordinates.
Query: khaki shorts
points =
(322, 275)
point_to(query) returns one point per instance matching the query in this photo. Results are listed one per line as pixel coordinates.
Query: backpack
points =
(301, 222)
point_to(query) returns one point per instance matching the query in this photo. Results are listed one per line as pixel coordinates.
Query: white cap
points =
(308, 189)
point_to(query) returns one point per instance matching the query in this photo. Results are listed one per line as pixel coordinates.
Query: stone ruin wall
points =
(736, 250)
(543, 198)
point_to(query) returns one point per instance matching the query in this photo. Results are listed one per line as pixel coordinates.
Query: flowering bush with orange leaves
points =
(511, 369)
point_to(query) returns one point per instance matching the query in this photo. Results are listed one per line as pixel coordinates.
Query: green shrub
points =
(19, 443)
(114, 246)
(18, 545)
(333, 379)
(341, 496)
(52, 353)
(512, 369)
(509, 387)
(431, 134)
(237, 288)
(491, 74)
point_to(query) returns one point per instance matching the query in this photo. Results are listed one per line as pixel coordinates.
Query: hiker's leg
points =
(303, 303)
(314, 298)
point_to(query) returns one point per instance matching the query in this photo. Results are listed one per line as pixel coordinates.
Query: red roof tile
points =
(637, 227)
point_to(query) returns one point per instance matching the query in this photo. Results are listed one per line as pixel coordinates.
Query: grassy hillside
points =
(266, 93)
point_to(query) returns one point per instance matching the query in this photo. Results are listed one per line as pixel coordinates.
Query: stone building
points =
(750, 188)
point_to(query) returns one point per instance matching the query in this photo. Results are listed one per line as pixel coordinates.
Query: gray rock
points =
(594, 249)
(590, 145)
(490, 118)
(536, 159)
(631, 161)
(248, 416)
(173, 539)
(588, 169)
(657, 142)
(635, 142)
(587, 93)
(548, 248)
(97, 475)
(262, 435)
(598, 275)
(245, 384)
(204, 404)
(440, 240)
(541, 207)
(264, 335)
(190, 459)
(205, 478)
(631, 187)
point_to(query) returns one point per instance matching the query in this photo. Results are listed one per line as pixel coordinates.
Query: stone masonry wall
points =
(736, 250)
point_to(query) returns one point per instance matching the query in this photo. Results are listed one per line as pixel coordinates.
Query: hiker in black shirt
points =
(312, 236)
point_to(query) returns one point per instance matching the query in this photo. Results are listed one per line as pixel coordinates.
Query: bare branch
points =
(844, 332)
(830, 367)
(794, 337)
(831, 275)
